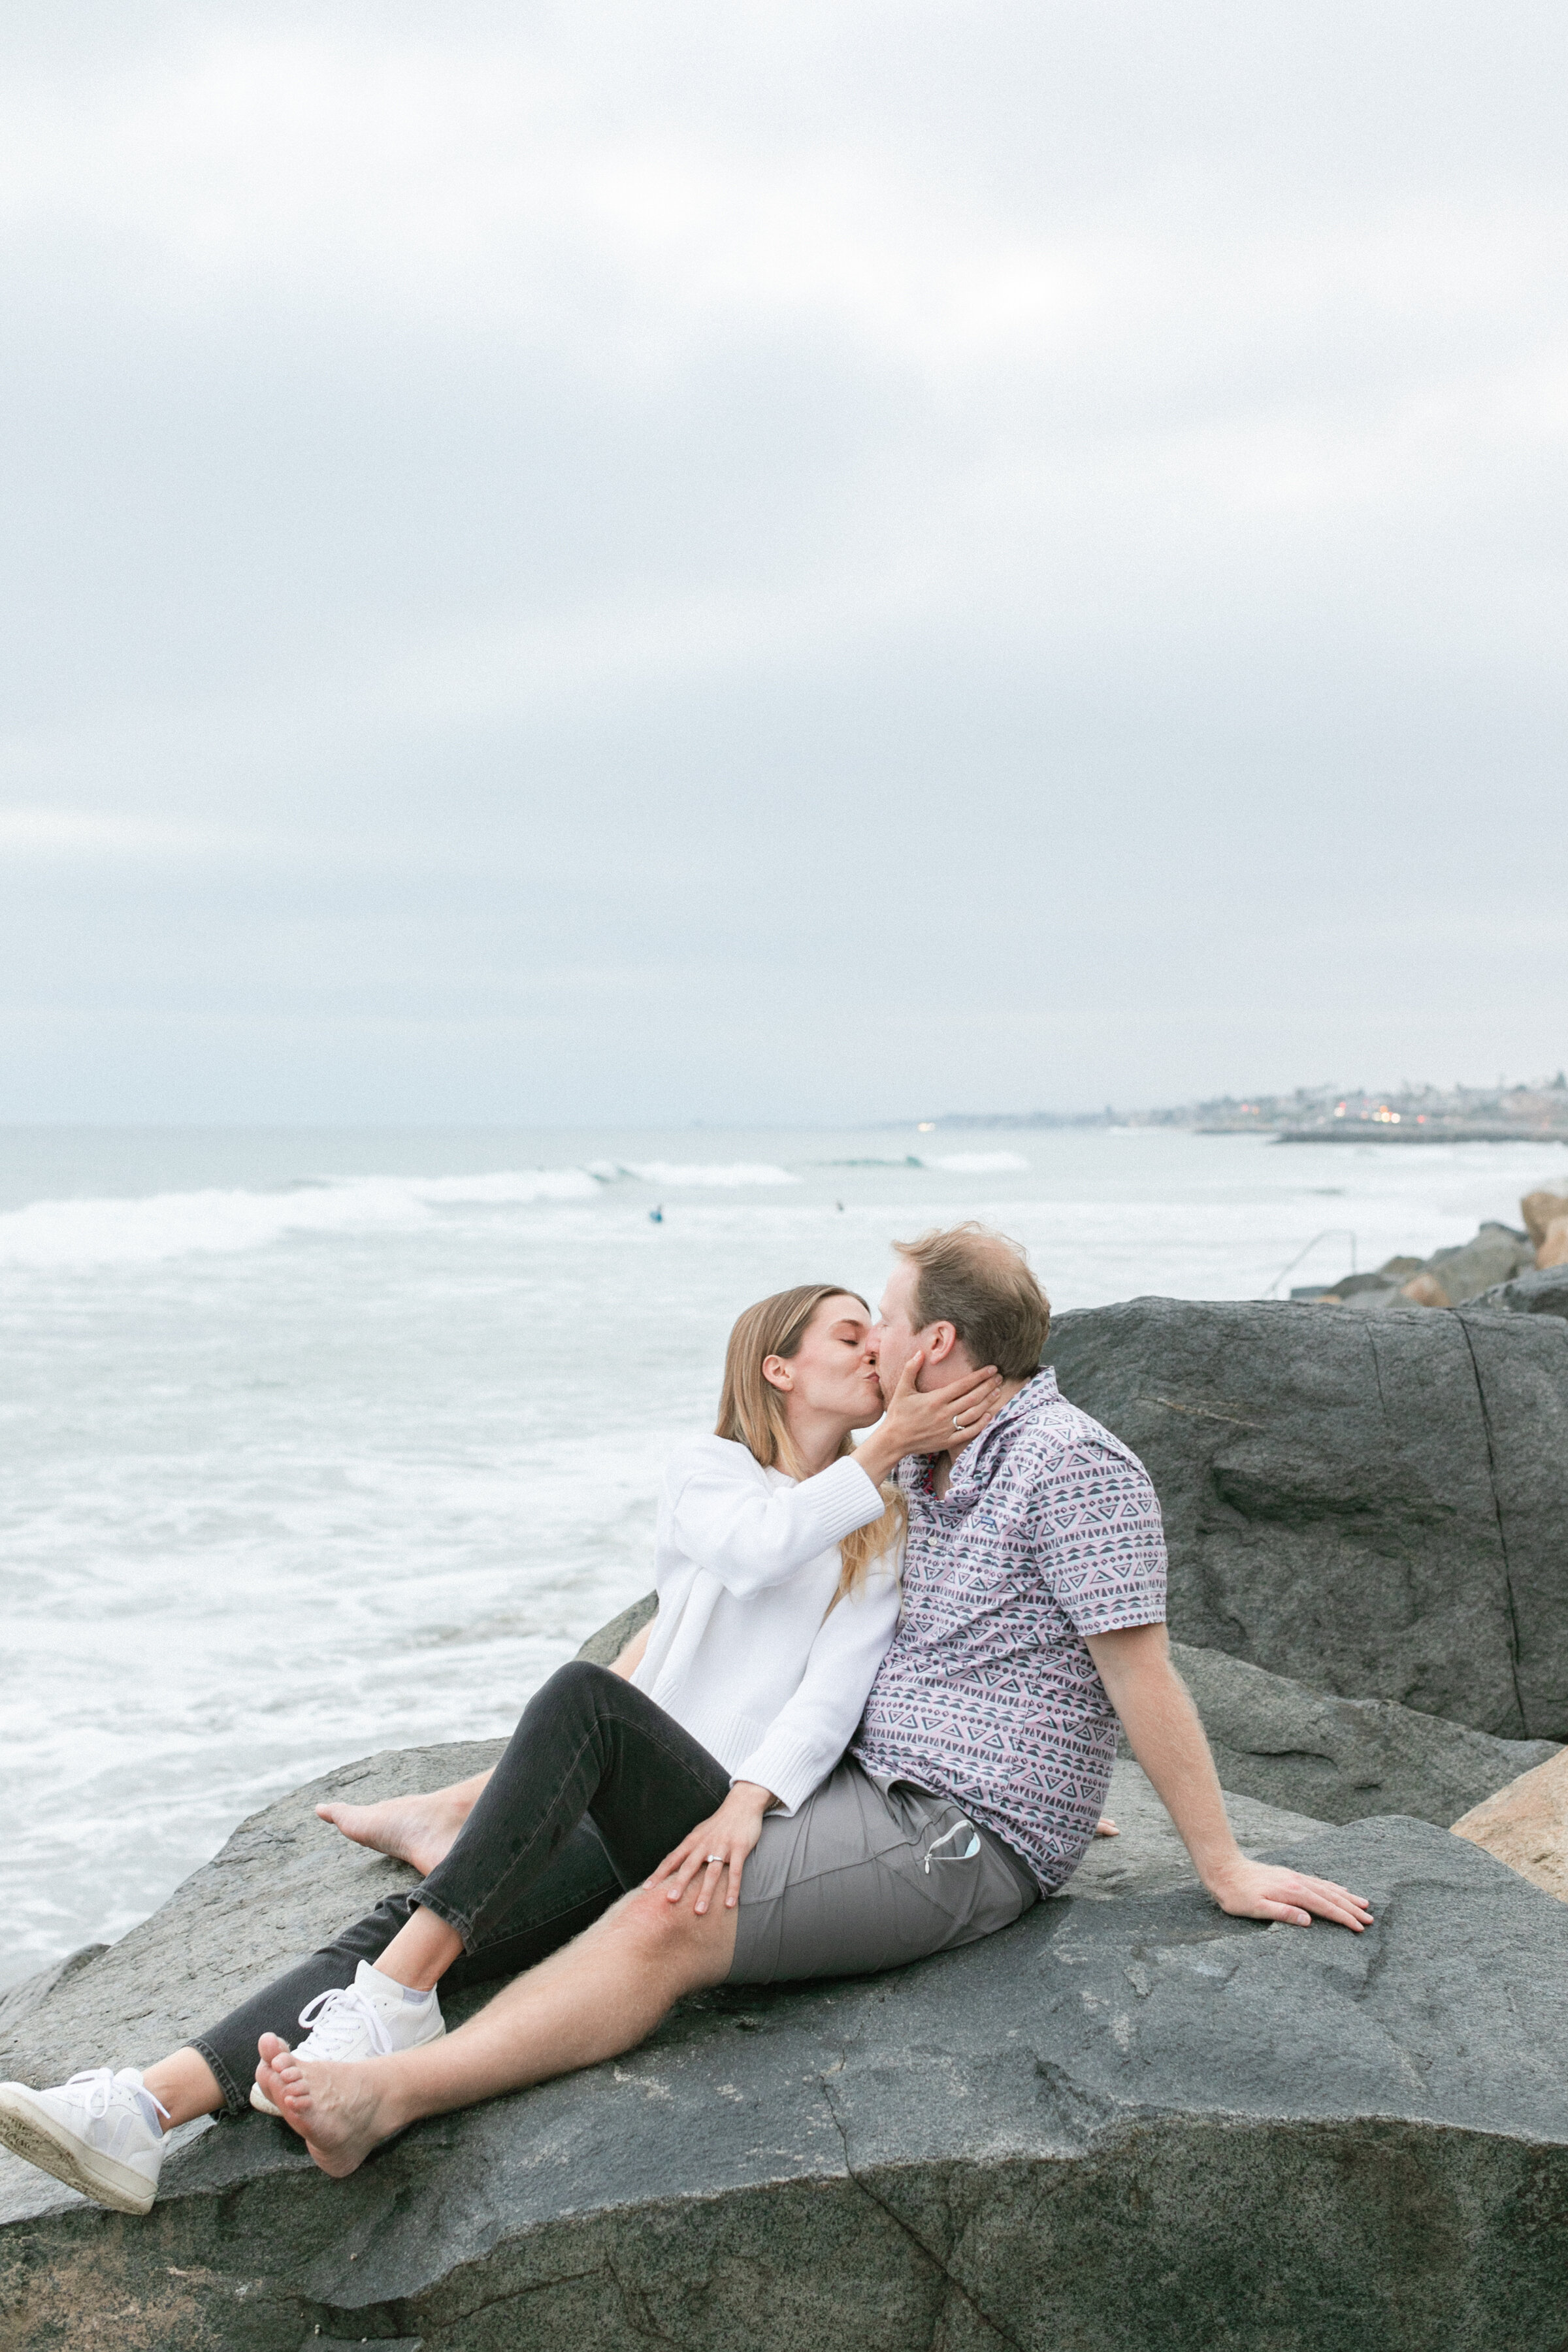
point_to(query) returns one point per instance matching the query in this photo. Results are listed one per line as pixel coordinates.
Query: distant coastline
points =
(1536, 1113)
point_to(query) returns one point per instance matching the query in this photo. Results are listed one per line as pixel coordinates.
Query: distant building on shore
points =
(1405, 1114)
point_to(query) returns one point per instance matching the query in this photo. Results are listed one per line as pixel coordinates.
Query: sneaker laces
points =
(95, 2089)
(98, 2098)
(336, 2020)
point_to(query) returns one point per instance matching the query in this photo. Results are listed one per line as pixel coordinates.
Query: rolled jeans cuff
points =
(459, 1923)
(235, 2096)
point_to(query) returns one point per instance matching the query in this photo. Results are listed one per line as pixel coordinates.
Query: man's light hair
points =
(982, 1284)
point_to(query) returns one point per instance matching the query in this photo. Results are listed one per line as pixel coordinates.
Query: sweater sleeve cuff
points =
(791, 1768)
(844, 1499)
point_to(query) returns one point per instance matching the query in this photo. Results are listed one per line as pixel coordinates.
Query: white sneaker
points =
(99, 2133)
(372, 2018)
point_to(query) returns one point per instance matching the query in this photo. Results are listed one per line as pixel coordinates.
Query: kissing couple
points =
(873, 1717)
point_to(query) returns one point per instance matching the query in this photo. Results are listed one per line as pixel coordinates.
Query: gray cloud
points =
(799, 562)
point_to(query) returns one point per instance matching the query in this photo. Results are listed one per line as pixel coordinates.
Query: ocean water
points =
(318, 1443)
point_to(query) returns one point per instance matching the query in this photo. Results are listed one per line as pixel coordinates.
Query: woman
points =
(777, 1554)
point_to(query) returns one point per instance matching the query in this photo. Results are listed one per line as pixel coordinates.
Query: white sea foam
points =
(66, 1233)
(976, 1164)
(515, 1187)
(680, 1175)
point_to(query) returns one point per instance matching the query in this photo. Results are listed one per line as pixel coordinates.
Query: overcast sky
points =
(800, 561)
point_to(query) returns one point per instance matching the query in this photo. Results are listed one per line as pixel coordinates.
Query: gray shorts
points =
(869, 1875)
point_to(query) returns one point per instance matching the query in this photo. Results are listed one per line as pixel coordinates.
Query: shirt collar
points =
(974, 1465)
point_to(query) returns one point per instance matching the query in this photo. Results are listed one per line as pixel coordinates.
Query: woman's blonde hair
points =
(752, 1410)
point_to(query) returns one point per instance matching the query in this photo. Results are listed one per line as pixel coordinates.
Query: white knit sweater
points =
(746, 1652)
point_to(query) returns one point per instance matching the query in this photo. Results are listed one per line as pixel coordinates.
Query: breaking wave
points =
(950, 1163)
(680, 1175)
(977, 1163)
(65, 1233)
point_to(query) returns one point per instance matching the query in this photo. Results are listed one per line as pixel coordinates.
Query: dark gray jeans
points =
(597, 1786)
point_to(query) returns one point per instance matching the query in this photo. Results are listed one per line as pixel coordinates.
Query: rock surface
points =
(1495, 1255)
(1449, 1277)
(1373, 1506)
(1343, 1760)
(1081, 2132)
(1540, 1210)
(602, 1648)
(1526, 1825)
(1146, 1854)
(1544, 1293)
(1554, 1250)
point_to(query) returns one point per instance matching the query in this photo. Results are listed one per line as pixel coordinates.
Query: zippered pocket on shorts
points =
(933, 1853)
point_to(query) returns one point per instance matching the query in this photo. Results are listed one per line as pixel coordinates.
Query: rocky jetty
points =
(1371, 1506)
(1545, 1293)
(1545, 1215)
(1126, 2121)
(1449, 1277)
(1469, 1270)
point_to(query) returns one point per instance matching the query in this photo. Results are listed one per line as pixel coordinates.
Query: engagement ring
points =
(715, 1857)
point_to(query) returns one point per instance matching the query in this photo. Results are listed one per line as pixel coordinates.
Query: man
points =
(1033, 1617)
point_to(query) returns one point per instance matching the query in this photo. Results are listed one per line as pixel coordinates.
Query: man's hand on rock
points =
(1261, 1890)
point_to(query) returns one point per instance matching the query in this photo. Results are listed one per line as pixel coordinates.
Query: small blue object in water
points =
(656, 1216)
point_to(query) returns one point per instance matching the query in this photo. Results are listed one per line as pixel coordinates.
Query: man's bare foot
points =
(336, 2108)
(420, 1829)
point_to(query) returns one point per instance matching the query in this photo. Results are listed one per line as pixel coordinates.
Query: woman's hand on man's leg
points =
(717, 1848)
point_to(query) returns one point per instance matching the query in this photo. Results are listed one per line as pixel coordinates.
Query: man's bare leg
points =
(602, 1994)
(420, 1829)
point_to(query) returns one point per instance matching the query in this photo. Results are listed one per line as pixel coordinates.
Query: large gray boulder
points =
(1126, 2121)
(602, 1648)
(1376, 1507)
(1495, 1255)
(1343, 1760)
(1544, 1292)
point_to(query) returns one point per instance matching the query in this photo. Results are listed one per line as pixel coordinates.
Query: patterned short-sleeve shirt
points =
(1049, 1530)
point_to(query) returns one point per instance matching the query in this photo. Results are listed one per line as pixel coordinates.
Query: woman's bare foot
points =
(1106, 1827)
(420, 1829)
(338, 2110)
